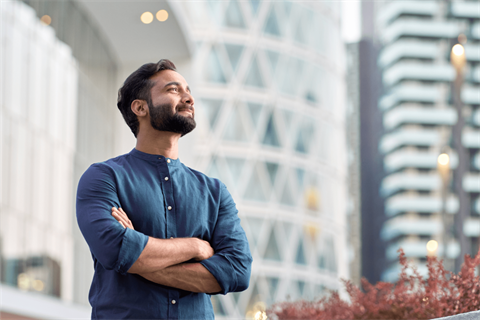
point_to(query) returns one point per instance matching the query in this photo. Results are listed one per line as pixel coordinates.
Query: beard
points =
(162, 118)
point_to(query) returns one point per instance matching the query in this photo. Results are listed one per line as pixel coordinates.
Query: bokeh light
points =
(260, 315)
(162, 15)
(432, 246)
(443, 159)
(38, 285)
(146, 17)
(458, 50)
(46, 19)
(23, 281)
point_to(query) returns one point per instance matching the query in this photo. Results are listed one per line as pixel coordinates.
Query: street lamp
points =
(443, 167)
(458, 60)
(457, 56)
(432, 247)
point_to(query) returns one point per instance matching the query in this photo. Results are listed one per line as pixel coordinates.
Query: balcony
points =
(397, 8)
(475, 31)
(475, 74)
(407, 49)
(472, 52)
(471, 227)
(476, 205)
(476, 161)
(470, 95)
(467, 9)
(410, 181)
(416, 203)
(399, 138)
(410, 226)
(410, 93)
(471, 138)
(418, 71)
(421, 29)
(419, 115)
(418, 249)
(405, 158)
(471, 182)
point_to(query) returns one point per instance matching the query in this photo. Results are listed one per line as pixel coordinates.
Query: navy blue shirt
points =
(163, 198)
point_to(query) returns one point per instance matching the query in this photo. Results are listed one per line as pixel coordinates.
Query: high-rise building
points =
(420, 122)
(268, 79)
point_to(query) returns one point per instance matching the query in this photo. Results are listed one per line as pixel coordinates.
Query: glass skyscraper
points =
(270, 98)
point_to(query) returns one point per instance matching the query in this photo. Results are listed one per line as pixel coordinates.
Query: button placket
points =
(170, 219)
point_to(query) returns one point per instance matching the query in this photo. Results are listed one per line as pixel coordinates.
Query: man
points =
(163, 237)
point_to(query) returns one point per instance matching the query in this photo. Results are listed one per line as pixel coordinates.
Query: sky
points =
(351, 30)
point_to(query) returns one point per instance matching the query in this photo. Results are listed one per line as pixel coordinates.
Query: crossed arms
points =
(162, 261)
(224, 262)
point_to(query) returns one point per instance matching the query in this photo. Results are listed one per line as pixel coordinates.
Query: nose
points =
(188, 98)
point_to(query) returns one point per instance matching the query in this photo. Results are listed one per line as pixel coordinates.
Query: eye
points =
(175, 89)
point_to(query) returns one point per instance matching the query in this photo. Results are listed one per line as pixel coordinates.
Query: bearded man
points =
(163, 237)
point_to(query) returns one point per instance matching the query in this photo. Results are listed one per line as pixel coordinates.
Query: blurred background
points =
(344, 131)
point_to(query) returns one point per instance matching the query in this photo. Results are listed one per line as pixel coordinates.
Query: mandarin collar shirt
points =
(164, 199)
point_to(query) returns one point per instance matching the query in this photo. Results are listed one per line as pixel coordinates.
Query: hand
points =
(204, 249)
(122, 217)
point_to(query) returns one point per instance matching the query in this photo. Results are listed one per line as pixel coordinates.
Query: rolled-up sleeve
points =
(114, 247)
(232, 261)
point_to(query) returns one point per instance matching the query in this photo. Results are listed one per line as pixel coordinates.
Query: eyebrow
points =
(175, 83)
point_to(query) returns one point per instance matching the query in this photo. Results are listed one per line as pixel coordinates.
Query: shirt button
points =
(173, 301)
(166, 178)
(168, 161)
(171, 237)
(169, 208)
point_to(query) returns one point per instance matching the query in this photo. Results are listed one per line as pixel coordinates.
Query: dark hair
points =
(137, 86)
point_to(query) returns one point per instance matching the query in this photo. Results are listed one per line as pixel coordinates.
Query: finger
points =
(120, 217)
(122, 225)
(122, 213)
(125, 216)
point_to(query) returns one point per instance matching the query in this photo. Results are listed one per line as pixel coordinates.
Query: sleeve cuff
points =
(222, 270)
(132, 246)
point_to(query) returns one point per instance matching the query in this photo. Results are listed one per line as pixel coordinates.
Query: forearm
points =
(193, 277)
(159, 254)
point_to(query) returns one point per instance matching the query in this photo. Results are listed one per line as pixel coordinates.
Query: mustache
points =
(184, 107)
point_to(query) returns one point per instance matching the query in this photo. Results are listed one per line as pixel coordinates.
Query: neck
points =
(158, 142)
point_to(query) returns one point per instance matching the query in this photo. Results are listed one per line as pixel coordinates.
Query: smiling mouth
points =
(190, 112)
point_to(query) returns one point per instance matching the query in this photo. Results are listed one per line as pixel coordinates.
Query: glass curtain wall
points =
(269, 85)
(39, 87)
(86, 121)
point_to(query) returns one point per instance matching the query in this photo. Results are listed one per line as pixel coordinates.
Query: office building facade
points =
(270, 100)
(419, 119)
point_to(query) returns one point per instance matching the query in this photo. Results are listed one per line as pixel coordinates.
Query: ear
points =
(139, 107)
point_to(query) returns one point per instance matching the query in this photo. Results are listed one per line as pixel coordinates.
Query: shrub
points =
(443, 293)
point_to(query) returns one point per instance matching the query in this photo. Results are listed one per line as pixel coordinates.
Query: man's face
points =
(171, 105)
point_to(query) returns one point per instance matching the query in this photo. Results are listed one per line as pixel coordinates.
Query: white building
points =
(269, 83)
(418, 115)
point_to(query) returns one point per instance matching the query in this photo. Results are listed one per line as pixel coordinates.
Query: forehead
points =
(166, 76)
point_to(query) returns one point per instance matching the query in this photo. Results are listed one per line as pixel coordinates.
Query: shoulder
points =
(204, 179)
(106, 169)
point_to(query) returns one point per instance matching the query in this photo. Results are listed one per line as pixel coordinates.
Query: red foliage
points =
(442, 294)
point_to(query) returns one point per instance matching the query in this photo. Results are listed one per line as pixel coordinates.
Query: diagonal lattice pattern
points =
(268, 87)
